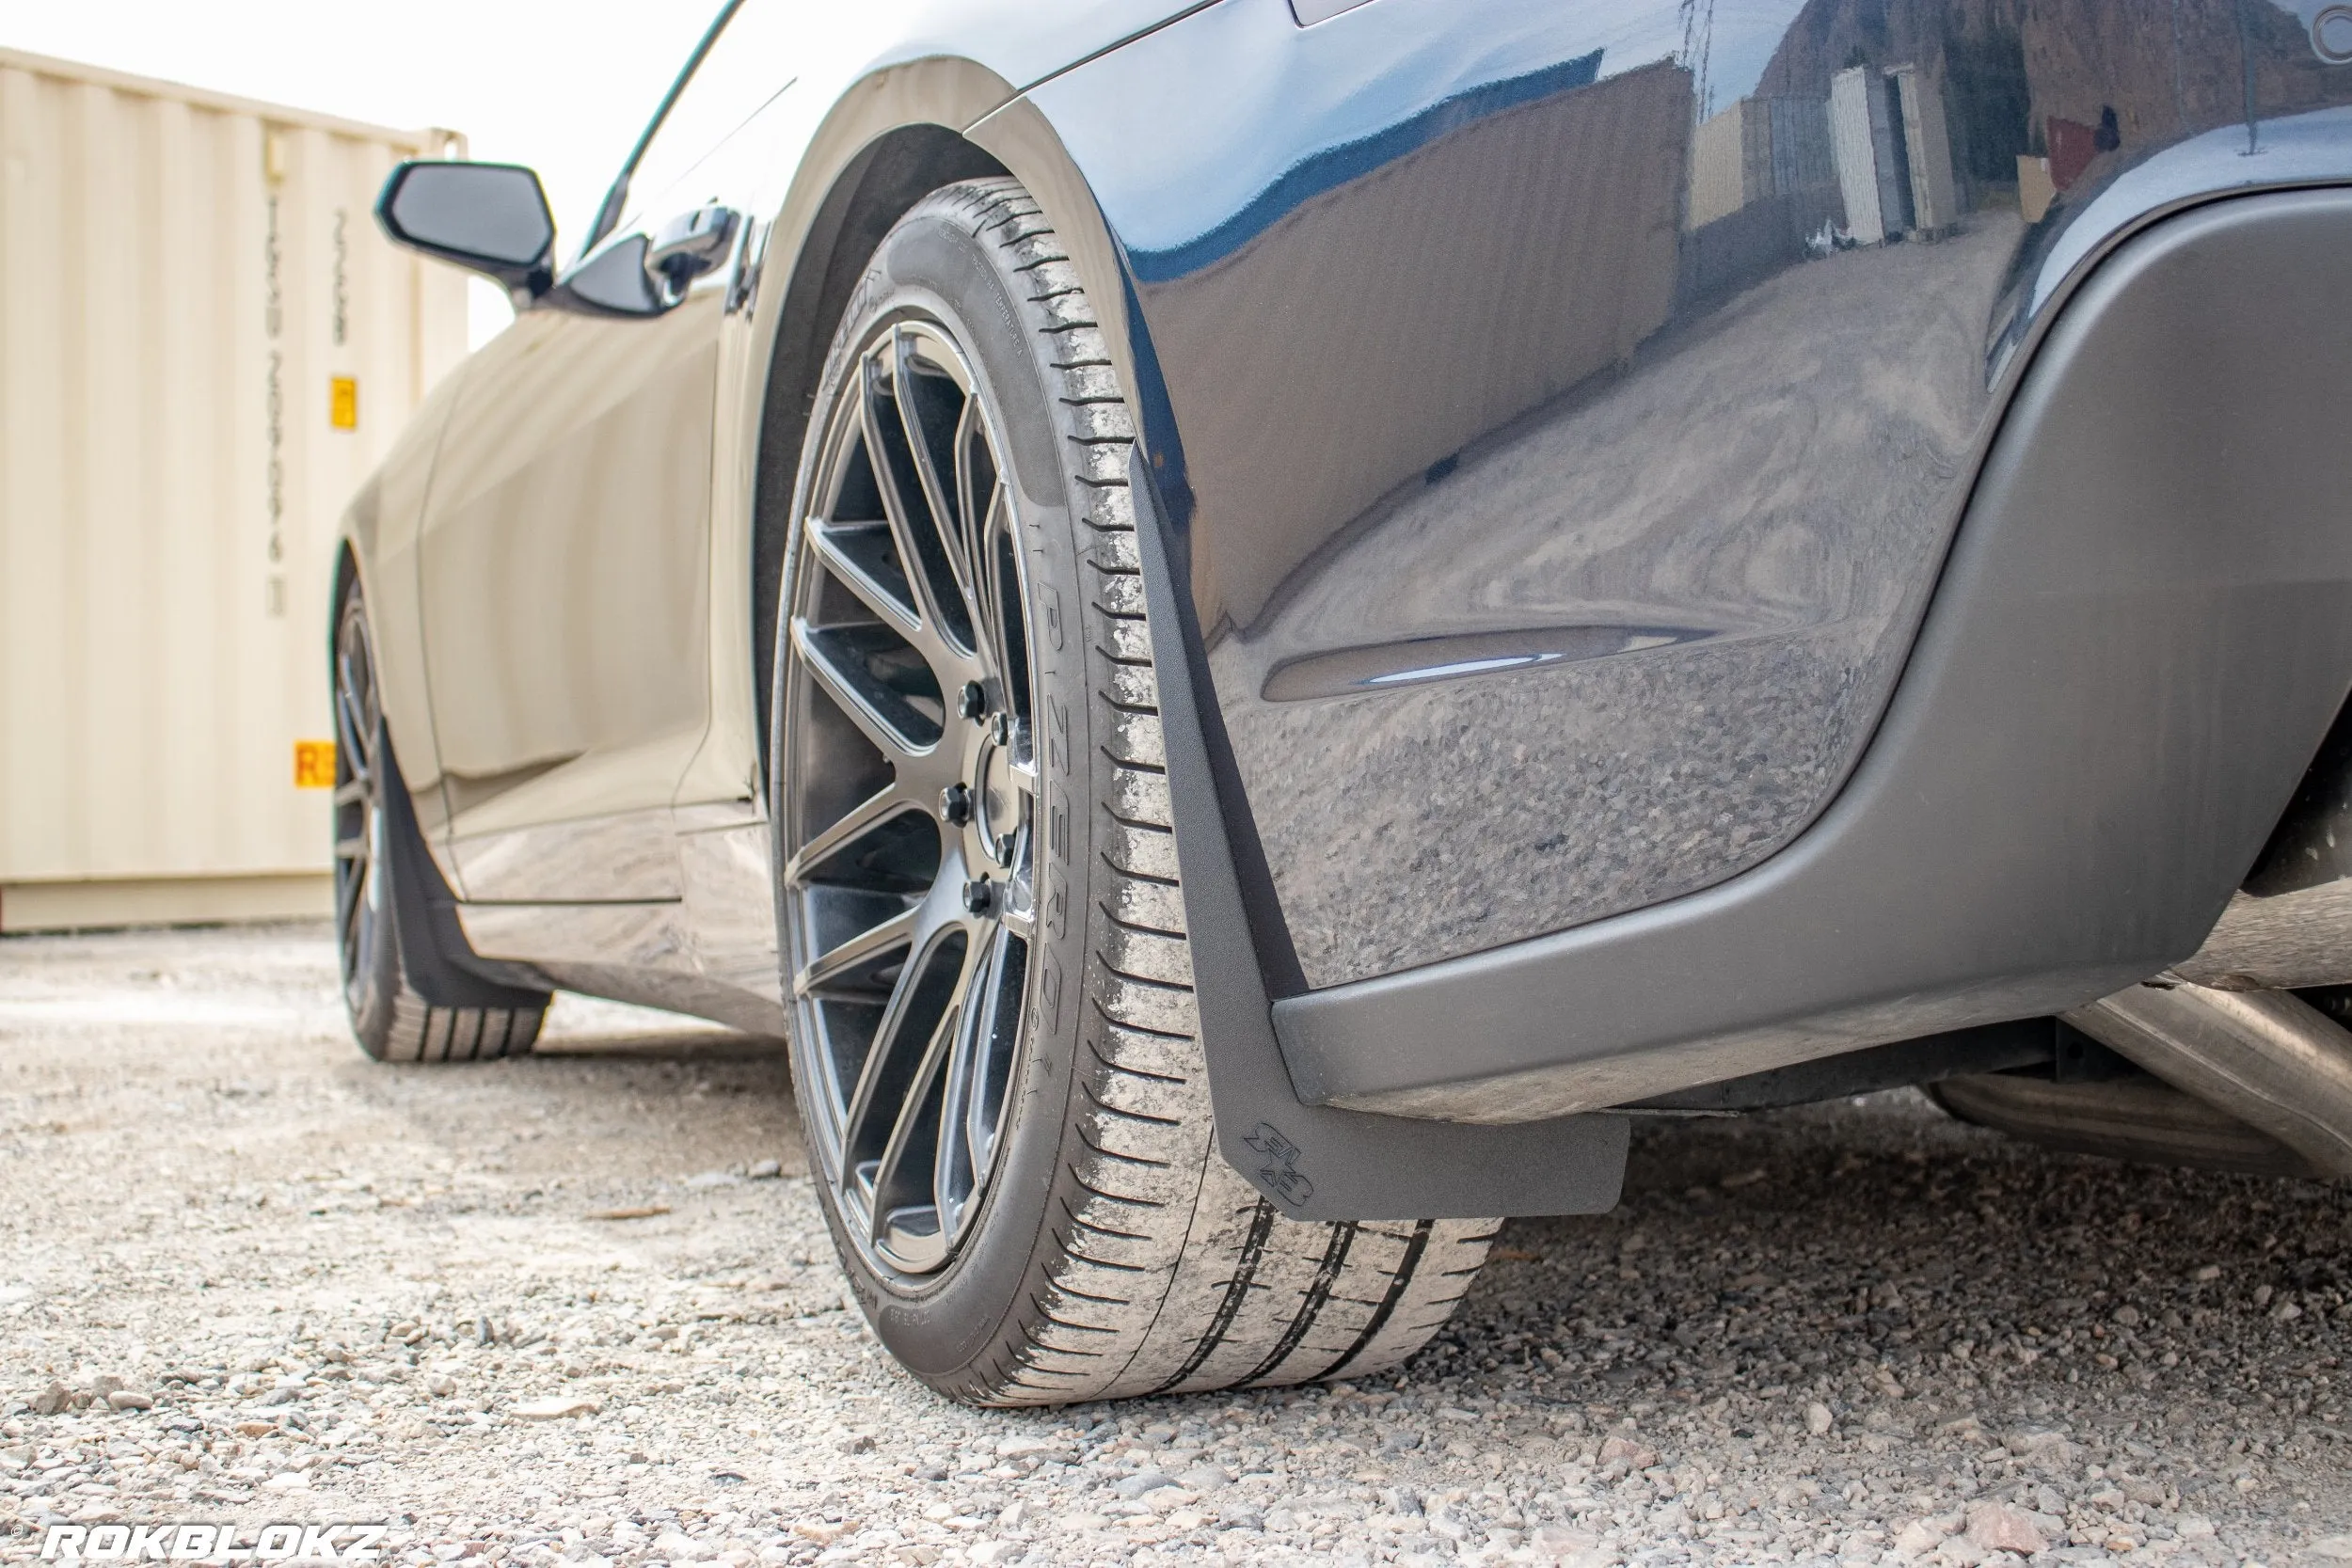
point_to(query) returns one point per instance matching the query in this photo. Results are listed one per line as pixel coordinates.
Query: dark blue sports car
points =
(1254, 622)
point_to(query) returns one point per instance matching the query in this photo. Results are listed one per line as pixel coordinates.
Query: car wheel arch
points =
(891, 140)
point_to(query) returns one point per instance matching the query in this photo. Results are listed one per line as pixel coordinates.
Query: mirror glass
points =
(489, 215)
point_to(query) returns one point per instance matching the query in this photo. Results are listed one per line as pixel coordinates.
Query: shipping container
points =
(1856, 126)
(2036, 190)
(1887, 143)
(1927, 151)
(1800, 145)
(205, 345)
(1718, 182)
(1758, 147)
(1893, 150)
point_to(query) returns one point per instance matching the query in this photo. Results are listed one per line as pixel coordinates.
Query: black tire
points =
(1110, 1251)
(405, 1001)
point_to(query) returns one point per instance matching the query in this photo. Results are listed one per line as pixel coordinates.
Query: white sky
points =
(562, 88)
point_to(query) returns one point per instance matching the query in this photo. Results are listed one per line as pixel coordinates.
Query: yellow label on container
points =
(342, 402)
(314, 764)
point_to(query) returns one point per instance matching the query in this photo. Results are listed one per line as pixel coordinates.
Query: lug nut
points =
(971, 702)
(1000, 729)
(976, 896)
(954, 805)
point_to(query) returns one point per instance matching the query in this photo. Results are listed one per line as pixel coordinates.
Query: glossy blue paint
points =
(1471, 337)
(1331, 168)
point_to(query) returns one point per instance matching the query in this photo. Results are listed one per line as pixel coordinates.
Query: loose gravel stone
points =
(554, 1409)
(1998, 1528)
(1855, 1334)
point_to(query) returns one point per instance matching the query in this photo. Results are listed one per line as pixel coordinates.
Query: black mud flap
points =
(441, 965)
(1317, 1161)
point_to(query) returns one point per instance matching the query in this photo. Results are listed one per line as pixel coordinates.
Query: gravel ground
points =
(581, 1305)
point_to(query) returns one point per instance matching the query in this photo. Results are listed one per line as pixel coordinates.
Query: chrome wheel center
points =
(1002, 781)
(907, 789)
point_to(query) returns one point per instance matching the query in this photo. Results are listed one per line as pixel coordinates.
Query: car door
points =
(565, 559)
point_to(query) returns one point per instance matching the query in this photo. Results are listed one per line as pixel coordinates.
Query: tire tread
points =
(414, 1030)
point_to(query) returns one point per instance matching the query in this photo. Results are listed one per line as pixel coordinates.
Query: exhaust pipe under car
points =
(2267, 1058)
(2225, 1026)
(2290, 927)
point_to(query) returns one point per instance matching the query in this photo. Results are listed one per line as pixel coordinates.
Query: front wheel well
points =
(876, 189)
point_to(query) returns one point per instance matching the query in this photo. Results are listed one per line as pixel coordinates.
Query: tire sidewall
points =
(932, 266)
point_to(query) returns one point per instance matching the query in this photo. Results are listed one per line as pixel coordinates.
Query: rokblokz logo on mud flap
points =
(173, 1541)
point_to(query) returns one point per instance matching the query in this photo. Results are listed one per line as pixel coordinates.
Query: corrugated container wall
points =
(205, 345)
(1928, 149)
(1856, 112)
(1718, 166)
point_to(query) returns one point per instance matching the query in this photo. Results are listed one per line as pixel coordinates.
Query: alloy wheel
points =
(358, 805)
(908, 791)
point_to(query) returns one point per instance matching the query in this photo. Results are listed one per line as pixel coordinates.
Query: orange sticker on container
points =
(314, 764)
(342, 402)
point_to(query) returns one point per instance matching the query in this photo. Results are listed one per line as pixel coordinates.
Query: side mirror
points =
(491, 217)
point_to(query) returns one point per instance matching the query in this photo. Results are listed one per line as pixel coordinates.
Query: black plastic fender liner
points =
(2140, 637)
(1316, 1161)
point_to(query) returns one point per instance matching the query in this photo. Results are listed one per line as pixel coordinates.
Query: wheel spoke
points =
(901, 1063)
(1008, 647)
(951, 1172)
(974, 1102)
(831, 656)
(909, 1128)
(839, 548)
(1008, 983)
(983, 512)
(933, 579)
(971, 432)
(349, 896)
(845, 958)
(352, 730)
(923, 449)
(863, 818)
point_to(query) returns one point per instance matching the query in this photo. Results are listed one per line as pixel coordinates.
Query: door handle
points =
(690, 244)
